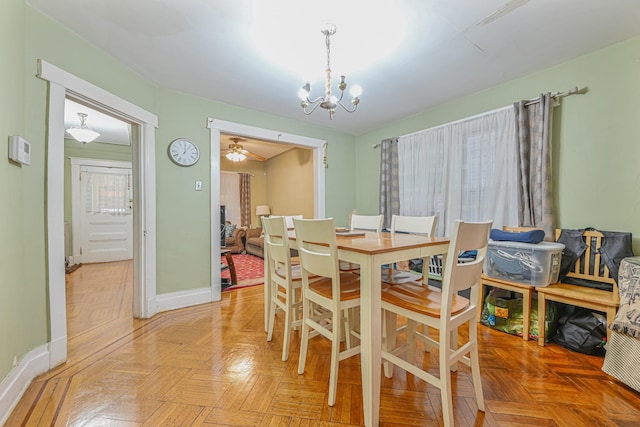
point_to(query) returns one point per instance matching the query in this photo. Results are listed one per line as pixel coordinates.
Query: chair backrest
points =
(458, 276)
(317, 249)
(288, 219)
(276, 242)
(590, 265)
(425, 225)
(367, 222)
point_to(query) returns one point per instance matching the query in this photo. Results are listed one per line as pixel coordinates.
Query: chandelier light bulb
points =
(303, 94)
(355, 91)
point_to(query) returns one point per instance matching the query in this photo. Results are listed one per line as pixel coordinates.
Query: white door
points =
(106, 201)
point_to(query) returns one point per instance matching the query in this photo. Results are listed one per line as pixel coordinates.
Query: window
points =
(230, 196)
(463, 170)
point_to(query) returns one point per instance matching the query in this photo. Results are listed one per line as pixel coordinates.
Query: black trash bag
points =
(583, 331)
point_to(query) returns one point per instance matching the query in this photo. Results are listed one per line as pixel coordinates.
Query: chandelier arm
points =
(318, 99)
(315, 106)
(355, 107)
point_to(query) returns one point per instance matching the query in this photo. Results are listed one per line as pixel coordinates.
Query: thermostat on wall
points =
(19, 150)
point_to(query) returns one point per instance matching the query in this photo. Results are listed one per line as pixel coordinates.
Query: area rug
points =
(249, 270)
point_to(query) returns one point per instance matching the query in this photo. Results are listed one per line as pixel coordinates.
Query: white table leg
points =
(371, 338)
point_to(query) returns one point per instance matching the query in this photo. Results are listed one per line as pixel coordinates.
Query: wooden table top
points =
(375, 243)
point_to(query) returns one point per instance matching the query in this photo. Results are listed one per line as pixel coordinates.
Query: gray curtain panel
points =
(389, 180)
(245, 199)
(533, 130)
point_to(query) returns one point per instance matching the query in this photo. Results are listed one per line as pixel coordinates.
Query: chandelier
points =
(328, 101)
(82, 133)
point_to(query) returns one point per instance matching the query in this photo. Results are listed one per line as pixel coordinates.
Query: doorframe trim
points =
(60, 85)
(76, 206)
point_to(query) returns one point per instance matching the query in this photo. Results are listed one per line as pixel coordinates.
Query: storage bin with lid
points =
(536, 264)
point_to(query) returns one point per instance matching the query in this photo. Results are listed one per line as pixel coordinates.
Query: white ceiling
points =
(449, 49)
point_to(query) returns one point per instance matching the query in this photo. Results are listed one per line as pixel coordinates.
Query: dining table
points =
(371, 251)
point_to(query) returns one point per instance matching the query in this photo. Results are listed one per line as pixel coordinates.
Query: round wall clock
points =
(183, 152)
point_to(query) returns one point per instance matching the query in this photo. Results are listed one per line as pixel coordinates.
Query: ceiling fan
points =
(236, 153)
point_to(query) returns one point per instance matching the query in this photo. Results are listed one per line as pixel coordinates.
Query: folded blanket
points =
(531, 236)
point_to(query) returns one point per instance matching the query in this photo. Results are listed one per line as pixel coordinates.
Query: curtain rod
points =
(556, 95)
(573, 91)
(237, 172)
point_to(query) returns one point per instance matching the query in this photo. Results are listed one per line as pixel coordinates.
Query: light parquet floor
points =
(210, 365)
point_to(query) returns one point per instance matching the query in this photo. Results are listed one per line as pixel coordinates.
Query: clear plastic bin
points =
(528, 263)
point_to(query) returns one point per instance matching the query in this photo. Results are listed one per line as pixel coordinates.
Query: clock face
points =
(183, 152)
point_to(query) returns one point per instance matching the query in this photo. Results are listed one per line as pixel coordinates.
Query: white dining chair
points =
(421, 225)
(444, 310)
(334, 292)
(285, 280)
(365, 223)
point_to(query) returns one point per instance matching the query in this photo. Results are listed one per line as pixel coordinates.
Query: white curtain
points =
(108, 192)
(462, 170)
(230, 196)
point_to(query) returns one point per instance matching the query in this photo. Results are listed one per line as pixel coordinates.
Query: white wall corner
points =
(15, 384)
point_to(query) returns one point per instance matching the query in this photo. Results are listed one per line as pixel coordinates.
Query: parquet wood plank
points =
(234, 417)
(211, 365)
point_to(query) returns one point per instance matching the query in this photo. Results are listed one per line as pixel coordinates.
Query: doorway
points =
(62, 85)
(217, 127)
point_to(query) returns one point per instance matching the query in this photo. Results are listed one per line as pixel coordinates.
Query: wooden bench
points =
(587, 267)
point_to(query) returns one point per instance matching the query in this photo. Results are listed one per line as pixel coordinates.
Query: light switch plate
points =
(198, 185)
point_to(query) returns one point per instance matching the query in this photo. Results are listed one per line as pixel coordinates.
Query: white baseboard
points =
(15, 384)
(181, 299)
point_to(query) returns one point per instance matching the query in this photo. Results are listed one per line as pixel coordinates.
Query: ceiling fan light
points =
(235, 156)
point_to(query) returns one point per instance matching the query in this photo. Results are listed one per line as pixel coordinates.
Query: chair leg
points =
(347, 329)
(411, 340)
(273, 311)
(389, 340)
(335, 358)
(304, 340)
(287, 327)
(445, 380)
(475, 365)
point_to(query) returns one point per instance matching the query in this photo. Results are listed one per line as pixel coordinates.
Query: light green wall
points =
(596, 137)
(183, 217)
(94, 150)
(14, 290)
(290, 183)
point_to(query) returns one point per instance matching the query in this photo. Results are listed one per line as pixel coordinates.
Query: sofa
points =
(254, 242)
(235, 243)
